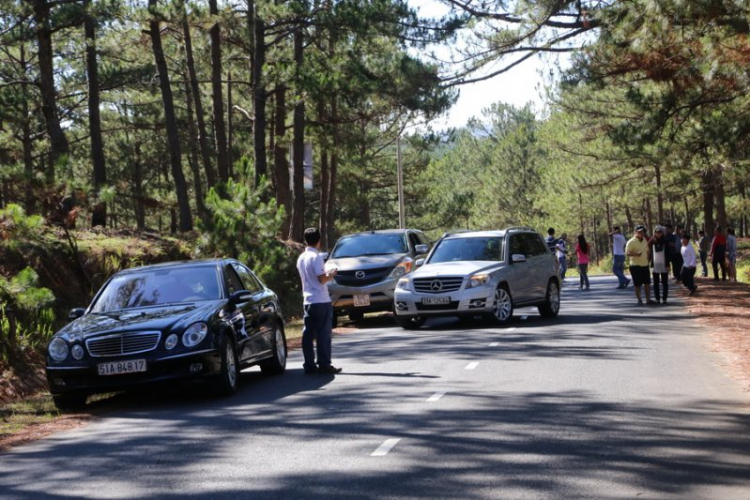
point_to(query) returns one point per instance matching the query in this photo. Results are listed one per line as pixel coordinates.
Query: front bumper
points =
(464, 302)
(65, 379)
(381, 296)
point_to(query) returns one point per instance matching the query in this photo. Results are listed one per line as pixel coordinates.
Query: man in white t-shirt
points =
(318, 318)
(618, 257)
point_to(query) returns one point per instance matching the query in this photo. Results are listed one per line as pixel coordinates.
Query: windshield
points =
(370, 244)
(153, 288)
(484, 248)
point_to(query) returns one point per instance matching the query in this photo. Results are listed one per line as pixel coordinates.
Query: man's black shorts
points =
(641, 275)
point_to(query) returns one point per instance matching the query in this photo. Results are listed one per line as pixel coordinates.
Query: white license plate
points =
(362, 300)
(122, 367)
(433, 301)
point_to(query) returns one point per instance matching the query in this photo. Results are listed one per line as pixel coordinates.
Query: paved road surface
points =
(608, 401)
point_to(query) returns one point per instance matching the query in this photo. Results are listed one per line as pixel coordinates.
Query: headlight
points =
(401, 269)
(403, 284)
(171, 341)
(478, 280)
(77, 352)
(58, 349)
(194, 334)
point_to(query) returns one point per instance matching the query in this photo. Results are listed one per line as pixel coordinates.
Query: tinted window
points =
(479, 248)
(164, 286)
(233, 281)
(517, 245)
(413, 240)
(249, 280)
(534, 245)
(370, 244)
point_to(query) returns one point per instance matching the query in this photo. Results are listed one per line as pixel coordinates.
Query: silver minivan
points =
(369, 266)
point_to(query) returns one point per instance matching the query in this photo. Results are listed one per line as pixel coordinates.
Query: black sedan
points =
(181, 320)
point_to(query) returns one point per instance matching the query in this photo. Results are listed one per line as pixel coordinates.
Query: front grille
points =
(437, 285)
(437, 307)
(366, 276)
(123, 343)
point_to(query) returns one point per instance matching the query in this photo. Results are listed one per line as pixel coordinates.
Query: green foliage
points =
(16, 225)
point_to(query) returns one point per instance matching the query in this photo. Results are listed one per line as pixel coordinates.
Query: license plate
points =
(122, 367)
(433, 301)
(362, 300)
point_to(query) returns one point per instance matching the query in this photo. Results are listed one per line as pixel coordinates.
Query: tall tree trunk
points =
(140, 211)
(257, 30)
(58, 142)
(99, 216)
(333, 171)
(629, 217)
(324, 186)
(218, 94)
(198, 101)
(721, 209)
(173, 139)
(707, 186)
(28, 155)
(298, 146)
(281, 164)
(659, 195)
(230, 126)
(194, 153)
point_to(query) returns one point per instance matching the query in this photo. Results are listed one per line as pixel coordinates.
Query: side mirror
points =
(517, 258)
(76, 313)
(420, 249)
(239, 297)
(419, 263)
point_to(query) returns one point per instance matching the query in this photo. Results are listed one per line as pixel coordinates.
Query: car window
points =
(248, 279)
(413, 240)
(478, 248)
(517, 245)
(233, 281)
(158, 287)
(533, 244)
(423, 239)
(358, 245)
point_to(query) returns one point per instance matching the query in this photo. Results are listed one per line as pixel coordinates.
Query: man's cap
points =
(659, 229)
(640, 227)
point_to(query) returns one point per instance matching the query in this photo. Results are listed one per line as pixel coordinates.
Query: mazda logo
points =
(436, 286)
(359, 274)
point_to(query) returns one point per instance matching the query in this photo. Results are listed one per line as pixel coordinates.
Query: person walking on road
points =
(731, 254)
(562, 255)
(703, 251)
(550, 240)
(657, 246)
(718, 254)
(688, 263)
(618, 257)
(582, 254)
(318, 310)
(637, 250)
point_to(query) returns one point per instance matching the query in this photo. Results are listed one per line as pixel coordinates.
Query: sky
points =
(520, 85)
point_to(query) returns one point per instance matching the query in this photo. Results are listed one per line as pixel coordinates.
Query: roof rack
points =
(455, 231)
(520, 228)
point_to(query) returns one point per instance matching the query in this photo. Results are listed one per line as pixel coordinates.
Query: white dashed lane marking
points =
(494, 344)
(513, 328)
(435, 397)
(472, 365)
(384, 448)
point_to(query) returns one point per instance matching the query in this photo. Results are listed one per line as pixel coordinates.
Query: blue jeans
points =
(563, 266)
(618, 267)
(704, 258)
(318, 322)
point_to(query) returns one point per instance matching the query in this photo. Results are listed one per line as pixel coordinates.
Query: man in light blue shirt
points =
(318, 317)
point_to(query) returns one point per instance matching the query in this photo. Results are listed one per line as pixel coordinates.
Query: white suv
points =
(485, 273)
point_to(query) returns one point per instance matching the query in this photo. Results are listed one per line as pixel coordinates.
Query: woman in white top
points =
(660, 267)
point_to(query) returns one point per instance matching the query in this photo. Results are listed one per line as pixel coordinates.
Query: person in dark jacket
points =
(718, 254)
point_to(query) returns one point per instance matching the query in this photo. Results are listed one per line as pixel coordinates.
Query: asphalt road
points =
(607, 401)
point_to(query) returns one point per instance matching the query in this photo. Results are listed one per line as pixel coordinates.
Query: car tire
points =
(228, 379)
(70, 401)
(277, 364)
(551, 305)
(410, 322)
(356, 316)
(502, 306)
